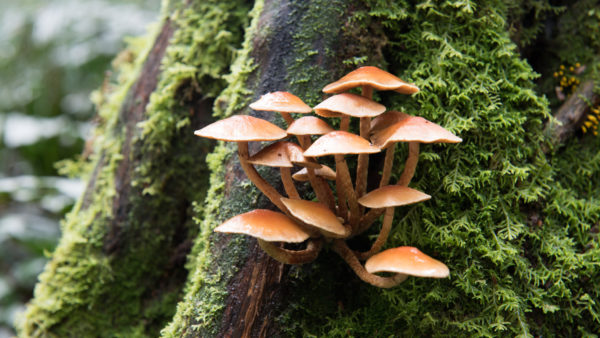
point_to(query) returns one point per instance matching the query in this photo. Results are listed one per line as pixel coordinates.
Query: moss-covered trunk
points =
(515, 222)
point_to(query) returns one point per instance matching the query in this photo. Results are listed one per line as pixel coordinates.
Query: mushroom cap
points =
(386, 119)
(338, 143)
(265, 224)
(282, 154)
(309, 125)
(242, 128)
(317, 215)
(392, 196)
(413, 129)
(349, 104)
(324, 171)
(370, 76)
(406, 260)
(281, 102)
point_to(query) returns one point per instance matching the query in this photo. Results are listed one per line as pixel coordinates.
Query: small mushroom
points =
(346, 105)
(324, 172)
(283, 155)
(386, 197)
(373, 77)
(407, 260)
(309, 125)
(412, 129)
(265, 224)
(317, 215)
(243, 129)
(282, 102)
(392, 196)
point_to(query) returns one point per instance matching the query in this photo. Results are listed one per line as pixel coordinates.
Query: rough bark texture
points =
(571, 114)
(152, 203)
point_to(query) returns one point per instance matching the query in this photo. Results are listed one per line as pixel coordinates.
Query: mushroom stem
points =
(321, 189)
(342, 249)
(287, 117)
(292, 256)
(345, 123)
(344, 185)
(387, 165)
(362, 167)
(288, 183)
(367, 220)
(273, 195)
(382, 238)
(410, 165)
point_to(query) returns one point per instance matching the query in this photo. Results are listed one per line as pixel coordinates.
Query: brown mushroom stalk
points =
(362, 167)
(340, 247)
(321, 189)
(344, 185)
(410, 165)
(288, 183)
(287, 256)
(387, 165)
(273, 195)
(386, 227)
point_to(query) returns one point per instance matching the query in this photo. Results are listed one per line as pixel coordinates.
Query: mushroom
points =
(412, 129)
(243, 129)
(407, 260)
(368, 78)
(342, 249)
(309, 125)
(317, 215)
(324, 172)
(345, 105)
(387, 198)
(282, 102)
(372, 77)
(283, 155)
(269, 226)
(340, 143)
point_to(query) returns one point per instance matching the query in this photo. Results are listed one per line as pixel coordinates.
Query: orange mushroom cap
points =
(309, 125)
(282, 154)
(406, 260)
(392, 196)
(242, 128)
(413, 129)
(370, 76)
(349, 104)
(316, 215)
(265, 224)
(338, 143)
(324, 171)
(386, 119)
(281, 102)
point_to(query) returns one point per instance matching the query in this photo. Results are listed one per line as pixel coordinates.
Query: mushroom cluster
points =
(341, 210)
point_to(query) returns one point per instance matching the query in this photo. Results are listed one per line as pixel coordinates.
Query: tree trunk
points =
(138, 256)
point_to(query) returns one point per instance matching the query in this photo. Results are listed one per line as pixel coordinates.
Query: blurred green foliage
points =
(52, 55)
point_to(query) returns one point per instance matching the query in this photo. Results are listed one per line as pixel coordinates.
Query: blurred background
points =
(53, 53)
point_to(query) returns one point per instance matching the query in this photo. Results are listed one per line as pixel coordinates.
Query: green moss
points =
(207, 286)
(510, 275)
(118, 274)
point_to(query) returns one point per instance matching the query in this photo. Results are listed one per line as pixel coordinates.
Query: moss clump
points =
(519, 264)
(119, 272)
